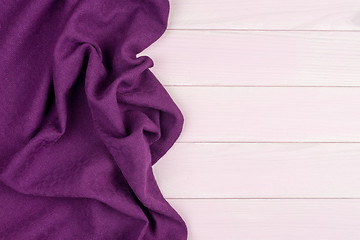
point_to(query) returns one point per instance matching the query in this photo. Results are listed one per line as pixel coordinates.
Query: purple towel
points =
(82, 121)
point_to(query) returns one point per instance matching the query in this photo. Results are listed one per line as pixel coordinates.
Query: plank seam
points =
(263, 86)
(258, 30)
(220, 198)
(229, 142)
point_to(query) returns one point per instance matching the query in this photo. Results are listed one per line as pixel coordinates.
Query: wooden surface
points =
(265, 14)
(270, 91)
(269, 114)
(257, 58)
(264, 219)
(260, 170)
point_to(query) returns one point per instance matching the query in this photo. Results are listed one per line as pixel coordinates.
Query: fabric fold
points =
(82, 121)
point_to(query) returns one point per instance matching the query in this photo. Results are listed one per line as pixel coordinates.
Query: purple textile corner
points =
(82, 121)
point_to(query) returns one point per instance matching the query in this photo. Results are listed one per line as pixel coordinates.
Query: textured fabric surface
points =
(82, 121)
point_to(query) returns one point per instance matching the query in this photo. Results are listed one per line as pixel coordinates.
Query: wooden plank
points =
(262, 114)
(262, 14)
(257, 58)
(254, 170)
(270, 219)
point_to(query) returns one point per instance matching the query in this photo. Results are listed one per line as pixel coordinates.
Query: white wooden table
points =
(270, 91)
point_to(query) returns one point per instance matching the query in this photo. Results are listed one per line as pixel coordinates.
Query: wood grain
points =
(258, 170)
(270, 219)
(270, 93)
(257, 58)
(264, 14)
(276, 114)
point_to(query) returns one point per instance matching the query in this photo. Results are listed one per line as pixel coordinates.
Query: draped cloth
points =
(82, 121)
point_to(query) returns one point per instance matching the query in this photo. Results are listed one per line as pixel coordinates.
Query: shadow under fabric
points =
(82, 121)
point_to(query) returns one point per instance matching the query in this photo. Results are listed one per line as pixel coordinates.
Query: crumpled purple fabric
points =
(82, 121)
